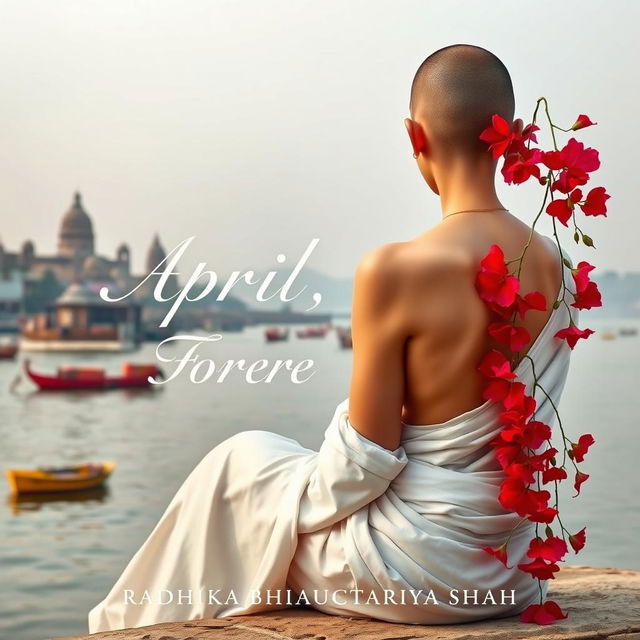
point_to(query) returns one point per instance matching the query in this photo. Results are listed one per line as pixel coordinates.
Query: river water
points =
(60, 557)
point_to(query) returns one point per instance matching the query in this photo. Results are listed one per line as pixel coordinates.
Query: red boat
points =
(8, 349)
(276, 334)
(8, 352)
(313, 332)
(69, 377)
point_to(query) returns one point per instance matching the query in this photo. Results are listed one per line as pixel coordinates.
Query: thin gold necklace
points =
(468, 210)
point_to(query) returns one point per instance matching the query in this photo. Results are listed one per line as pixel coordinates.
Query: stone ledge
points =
(603, 602)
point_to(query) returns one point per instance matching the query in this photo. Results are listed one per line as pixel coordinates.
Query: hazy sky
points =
(258, 125)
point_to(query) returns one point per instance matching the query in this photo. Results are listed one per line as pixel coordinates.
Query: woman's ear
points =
(518, 126)
(416, 136)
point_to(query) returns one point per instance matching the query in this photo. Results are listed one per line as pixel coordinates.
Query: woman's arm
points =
(379, 332)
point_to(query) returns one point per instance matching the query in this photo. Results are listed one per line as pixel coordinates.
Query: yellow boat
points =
(47, 479)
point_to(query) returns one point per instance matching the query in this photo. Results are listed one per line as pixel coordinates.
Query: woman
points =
(389, 518)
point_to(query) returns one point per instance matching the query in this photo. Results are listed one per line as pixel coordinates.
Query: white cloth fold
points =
(261, 512)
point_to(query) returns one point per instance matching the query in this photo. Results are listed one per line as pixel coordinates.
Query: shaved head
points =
(455, 92)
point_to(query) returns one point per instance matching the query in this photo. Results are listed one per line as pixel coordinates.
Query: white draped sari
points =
(338, 527)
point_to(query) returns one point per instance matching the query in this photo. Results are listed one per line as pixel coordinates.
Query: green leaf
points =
(548, 531)
(587, 240)
(556, 304)
(576, 237)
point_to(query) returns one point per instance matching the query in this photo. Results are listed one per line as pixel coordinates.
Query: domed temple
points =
(40, 293)
(75, 258)
(76, 231)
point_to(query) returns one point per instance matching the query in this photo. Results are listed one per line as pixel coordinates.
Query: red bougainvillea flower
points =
(580, 274)
(511, 417)
(493, 282)
(513, 337)
(579, 479)
(541, 461)
(589, 297)
(545, 515)
(575, 163)
(496, 390)
(521, 134)
(562, 208)
(516, 398)
(535, 433)
(516, 496)
(527, 133)
(507, 454)
(532, 300)
(513, 433)
(506, 313)
(569, 179)
(520, 162)
(579, 449)
(582, 122)
(587, 294)
(503, 138)
(531, 435)
(494, 364)
(519, 167)
(540, 568)
(575, 156)
(551, 549)
(572, 334)
(521, 471)
(553, 473)
(499, 135)
(578, 540)
(594, 204)
(552, 160)
(546, 613)
(500, 553)
(521, 413)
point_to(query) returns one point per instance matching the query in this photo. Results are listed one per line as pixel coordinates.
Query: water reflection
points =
(29, 502)
(78, 395)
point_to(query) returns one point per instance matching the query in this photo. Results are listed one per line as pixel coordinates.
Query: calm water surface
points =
(59, 558)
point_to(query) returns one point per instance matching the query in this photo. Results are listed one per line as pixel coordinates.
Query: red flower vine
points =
(562, 171)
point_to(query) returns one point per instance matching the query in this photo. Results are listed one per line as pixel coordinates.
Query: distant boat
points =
(75, 378)
(8, 348)
(607, 335)
(628, 331)
(313, 332)
(276, 334)
(344, 337)
(48, 479)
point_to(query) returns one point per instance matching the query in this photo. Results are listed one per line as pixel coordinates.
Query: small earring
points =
(415, 155)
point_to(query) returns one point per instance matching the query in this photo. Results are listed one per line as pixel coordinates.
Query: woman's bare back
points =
(449, 320)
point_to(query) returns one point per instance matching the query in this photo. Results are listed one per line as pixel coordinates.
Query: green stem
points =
(551, 125)
(564, 286)
(520, 258)
(536, 384)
